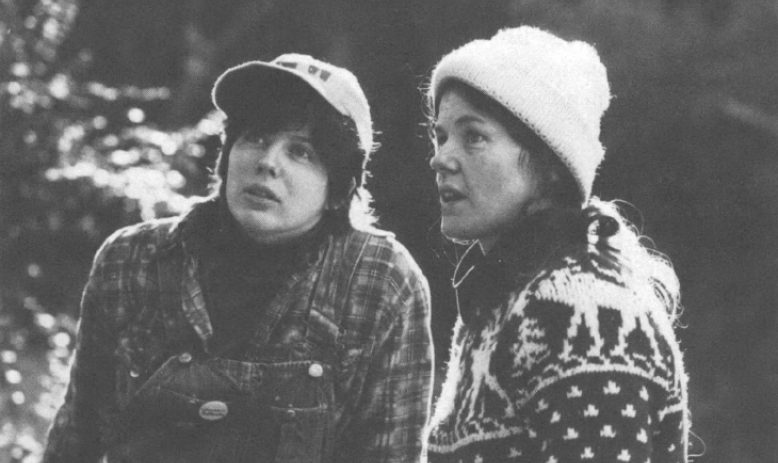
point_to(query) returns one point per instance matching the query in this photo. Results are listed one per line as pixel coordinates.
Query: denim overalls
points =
(277, 407)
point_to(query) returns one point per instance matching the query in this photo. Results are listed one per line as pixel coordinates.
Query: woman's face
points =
(483, 174)
(276, 184)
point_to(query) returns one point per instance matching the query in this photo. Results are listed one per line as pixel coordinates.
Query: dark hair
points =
(334, 137)
(557, 183)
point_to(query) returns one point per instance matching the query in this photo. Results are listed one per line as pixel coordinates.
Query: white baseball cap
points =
(337, 85)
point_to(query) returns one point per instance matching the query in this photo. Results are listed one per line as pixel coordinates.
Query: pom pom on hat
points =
(558, 88)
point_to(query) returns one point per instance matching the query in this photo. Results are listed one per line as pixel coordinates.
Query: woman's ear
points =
(547, 181)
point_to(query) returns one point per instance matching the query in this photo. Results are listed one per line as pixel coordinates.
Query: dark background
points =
(105, 120)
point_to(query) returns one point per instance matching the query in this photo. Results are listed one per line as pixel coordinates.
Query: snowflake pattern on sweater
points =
(578, 365)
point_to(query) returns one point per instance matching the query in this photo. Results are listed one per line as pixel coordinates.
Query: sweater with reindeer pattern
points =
(558, 357)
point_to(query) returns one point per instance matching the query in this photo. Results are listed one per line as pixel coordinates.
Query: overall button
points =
(213, 410)
(290, 414)
(315, 370)
(185, 357)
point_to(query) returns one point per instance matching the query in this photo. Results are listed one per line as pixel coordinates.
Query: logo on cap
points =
(313, 70)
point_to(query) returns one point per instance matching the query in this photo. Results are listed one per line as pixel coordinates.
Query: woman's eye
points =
(301, 151)
(473, 138)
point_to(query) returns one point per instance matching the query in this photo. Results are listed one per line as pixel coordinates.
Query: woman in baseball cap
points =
(564, 349)
(271, 322)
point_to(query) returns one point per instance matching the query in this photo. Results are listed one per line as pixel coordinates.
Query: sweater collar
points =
(485, 279)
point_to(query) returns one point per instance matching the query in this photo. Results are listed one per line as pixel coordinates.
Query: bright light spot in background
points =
(111, 140)
(53, 174)
(80, 170)
(14, 88)
(20, 70)
(34, 270)
(99, 122)
(169, 147)
(70, 135)
(136, 115)
(60, 339)
(101, 90)
(13, 377)
(175, 179)
(101, 178)
(8, 356)
(196, 151)
(18, 397)
(125, 158)
(59, 87)
(45, 321)
(51, 29)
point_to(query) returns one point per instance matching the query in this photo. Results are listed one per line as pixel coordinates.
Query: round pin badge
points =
(213, 410)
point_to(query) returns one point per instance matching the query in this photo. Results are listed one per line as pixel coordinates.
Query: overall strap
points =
(331, 289)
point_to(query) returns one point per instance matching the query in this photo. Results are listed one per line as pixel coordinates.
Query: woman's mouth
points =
(449, 195)
(263, 193)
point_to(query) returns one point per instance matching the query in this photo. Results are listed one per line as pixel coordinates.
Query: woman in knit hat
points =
(269, 323)
(564, 349)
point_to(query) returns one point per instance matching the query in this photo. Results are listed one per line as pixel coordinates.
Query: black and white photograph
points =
(401, 231)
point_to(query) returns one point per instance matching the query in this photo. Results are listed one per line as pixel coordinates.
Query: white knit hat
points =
(558, 88)
(337, 85)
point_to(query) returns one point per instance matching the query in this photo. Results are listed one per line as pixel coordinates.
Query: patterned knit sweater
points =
(573, 363)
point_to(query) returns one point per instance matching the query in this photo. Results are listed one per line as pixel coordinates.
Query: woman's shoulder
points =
(588, 312)
(382, 257)
(155, 235)
(141, 238)
(382, 247)
(588, 276)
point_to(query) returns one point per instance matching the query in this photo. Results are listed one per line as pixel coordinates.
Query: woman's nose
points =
(268, 159)
(443, 160)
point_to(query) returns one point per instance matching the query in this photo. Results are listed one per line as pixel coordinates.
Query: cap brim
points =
(255, 84)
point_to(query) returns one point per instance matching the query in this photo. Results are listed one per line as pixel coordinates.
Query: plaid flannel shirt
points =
(125, 334)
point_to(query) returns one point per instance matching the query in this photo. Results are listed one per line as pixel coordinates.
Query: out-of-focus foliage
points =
(78, 160)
